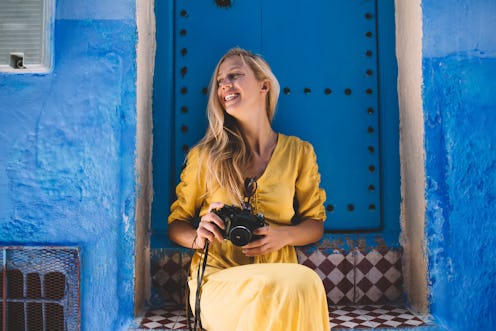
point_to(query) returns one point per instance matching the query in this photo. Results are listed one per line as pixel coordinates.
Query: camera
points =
(240, 224)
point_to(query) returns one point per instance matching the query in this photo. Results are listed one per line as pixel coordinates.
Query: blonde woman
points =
(260, 285)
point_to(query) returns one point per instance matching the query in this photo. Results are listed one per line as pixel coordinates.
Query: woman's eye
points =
(229, 78)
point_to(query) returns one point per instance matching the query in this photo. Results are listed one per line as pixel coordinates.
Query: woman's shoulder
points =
(192, 158)
(295, 143)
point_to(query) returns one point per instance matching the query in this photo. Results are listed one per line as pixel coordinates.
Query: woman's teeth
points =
(229, 97)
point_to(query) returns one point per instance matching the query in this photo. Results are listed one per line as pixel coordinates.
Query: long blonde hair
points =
(224, 148)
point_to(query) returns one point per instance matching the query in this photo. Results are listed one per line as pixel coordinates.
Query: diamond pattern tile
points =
(172, 317)
(170, 269)
(340, 317)
(336, 272)
(378, 276)
(356, 277)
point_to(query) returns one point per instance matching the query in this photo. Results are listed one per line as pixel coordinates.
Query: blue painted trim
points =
(163, 117)
(389, 122)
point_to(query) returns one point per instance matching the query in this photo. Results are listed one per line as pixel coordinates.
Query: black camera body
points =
(240, 224)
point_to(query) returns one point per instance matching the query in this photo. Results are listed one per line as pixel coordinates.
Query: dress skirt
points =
(262, 297)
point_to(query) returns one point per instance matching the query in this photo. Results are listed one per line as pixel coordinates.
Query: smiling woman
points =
(241, 162)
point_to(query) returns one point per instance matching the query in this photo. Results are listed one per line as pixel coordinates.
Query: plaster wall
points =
(68, 151)
(459, 66)
(409, 57)
(145, 17)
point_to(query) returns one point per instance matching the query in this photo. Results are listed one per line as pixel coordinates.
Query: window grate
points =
(25, 30)
(40, 289)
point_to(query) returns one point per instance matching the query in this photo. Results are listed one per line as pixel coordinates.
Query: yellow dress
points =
(269, 292)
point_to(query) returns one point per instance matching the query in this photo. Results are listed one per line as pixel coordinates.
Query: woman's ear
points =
(265, 86)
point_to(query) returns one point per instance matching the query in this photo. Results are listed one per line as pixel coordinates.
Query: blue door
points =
(335, 62)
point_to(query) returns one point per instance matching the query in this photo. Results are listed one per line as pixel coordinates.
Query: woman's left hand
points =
(274, 238)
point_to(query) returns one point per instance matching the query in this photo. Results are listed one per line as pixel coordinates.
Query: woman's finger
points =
(212, 225)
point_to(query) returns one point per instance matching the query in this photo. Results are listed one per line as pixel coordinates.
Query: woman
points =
(258, 286)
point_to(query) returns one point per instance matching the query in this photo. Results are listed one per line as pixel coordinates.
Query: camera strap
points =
(199, 279)
(250, 188)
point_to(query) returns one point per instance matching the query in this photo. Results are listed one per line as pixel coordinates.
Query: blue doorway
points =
(335, 61)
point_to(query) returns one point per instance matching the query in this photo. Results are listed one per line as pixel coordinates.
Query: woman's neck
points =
(261, 140)
(262, 143)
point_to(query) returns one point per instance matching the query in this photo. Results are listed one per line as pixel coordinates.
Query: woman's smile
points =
(231, 96)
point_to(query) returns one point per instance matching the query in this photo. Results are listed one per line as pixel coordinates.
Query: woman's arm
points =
(276, 237)
(183, 233)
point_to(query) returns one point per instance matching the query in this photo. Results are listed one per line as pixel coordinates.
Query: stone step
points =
(387, 317)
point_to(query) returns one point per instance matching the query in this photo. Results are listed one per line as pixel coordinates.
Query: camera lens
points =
(240, 235)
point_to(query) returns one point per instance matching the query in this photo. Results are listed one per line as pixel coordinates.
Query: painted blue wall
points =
(68, 151)
(459, 70)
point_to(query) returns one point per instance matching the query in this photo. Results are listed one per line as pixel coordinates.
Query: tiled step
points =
(173, 318)
(364, 288)
(355, 277)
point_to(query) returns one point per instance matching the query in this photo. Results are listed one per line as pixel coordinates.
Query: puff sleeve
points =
(310, 197)
(189, 191)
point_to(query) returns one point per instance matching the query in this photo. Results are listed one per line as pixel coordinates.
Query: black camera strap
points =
(199, 279)
(250, 188)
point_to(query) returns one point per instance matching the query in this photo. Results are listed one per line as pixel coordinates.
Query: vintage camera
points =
(240, 224)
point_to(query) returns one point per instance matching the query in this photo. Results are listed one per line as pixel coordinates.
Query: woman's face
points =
(238, 90)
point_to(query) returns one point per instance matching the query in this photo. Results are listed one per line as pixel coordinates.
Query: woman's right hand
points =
(209, 227)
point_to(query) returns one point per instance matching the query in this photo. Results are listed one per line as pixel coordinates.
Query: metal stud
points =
(369, 91)
(347, 91)
(327, 91)
(184, 51)
(224, 3)
(371, 149)
(330, 208)
(184, 109)
(307, 90)
(371, 188)
(184, 71)
(369, 53)
(369, 16)
(184, 128)
(350, 207)
(370, 129)
(287, 90)
(369, 72)
(205, 90)
(184, 90)
(370, 110)
(371, 168)
(183, 32)
(185, 148)
(184, 13)
(369, 34)
(371, 207)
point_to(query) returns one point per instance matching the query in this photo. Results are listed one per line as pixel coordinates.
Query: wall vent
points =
(40, 289)
(25, 35)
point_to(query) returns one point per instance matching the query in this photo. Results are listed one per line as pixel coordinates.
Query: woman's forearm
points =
(306, 232)
(182, 233)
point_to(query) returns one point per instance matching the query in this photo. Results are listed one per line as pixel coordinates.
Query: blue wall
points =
(459, 70)
(68, 151)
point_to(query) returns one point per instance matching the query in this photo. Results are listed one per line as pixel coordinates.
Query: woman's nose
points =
(226, 82)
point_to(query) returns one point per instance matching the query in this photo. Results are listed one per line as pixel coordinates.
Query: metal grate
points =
(25, 34)
(40, 289)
